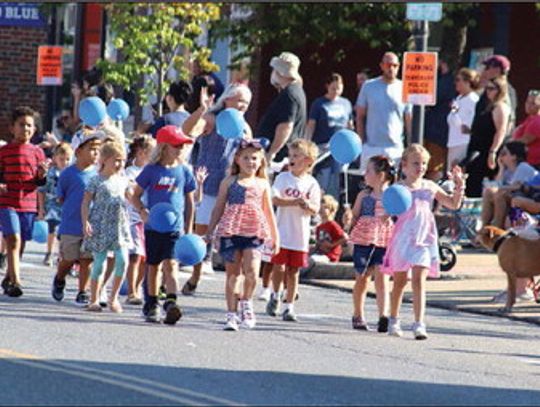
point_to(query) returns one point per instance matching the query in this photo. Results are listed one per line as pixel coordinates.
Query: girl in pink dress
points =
(413, 245)
(370, 235)
(246, 221)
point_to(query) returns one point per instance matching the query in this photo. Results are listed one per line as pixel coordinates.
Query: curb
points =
(434, 304)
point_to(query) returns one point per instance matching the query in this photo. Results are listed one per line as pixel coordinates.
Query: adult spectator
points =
(328, 114)
(528, 132)
(176, 99)
(461, 115)
(285, 118)
(497, 66)
(436, 126)
(513, 172)
(381, 115)
(361, 78)
(487, 133)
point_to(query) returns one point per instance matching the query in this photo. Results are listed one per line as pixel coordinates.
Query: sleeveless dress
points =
(373, 226)
(108, 215)
(243, 215)
(414, 241)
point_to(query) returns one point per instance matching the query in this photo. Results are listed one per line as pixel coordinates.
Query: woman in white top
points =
(461, 116)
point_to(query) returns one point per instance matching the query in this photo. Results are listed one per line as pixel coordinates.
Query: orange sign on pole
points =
(49, 65)
(420, 78)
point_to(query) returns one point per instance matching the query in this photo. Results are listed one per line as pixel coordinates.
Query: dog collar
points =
(501, 240)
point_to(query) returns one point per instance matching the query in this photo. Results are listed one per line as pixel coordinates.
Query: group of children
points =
(100, 210)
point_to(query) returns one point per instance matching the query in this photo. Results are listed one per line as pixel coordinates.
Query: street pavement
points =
(57, 354)
(469, 286)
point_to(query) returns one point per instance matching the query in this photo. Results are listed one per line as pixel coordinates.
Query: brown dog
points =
(518, 257)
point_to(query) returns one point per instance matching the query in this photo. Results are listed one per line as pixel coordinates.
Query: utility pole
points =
(421, 34)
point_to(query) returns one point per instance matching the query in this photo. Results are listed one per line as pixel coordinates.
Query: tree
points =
(381, 25)
(152, 38)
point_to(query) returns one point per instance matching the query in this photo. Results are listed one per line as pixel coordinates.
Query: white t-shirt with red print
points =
(294, 222)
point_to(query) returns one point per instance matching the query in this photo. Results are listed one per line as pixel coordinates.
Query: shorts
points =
(70, 248)
(204, 210)
(229, 245)
(159, 246)
(291, 258)
(367, 256)
(137, 235)
(53, 225)
(17, 223)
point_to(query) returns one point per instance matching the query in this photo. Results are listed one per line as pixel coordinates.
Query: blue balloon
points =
(124, 288)
(163, 217)
(345, 146)
(396, 199)
(92, 111)
(40, 231)
(118, 109)
(230, 123)
(190, 249)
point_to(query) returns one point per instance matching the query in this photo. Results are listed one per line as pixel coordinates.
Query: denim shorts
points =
(17, 223)
(229, 245)
(159, 246)
(52, 225)
(367, 256)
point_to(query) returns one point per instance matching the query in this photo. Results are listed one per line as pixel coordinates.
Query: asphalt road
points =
(55, 353)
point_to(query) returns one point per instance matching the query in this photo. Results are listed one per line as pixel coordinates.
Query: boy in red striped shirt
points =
(23, 167)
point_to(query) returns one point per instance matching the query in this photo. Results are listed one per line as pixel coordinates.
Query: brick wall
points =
(18, 58)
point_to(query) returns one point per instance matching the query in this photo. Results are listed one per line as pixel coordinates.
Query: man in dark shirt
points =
(285, 118)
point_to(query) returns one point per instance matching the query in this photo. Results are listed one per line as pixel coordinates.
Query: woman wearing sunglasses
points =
(487, 134)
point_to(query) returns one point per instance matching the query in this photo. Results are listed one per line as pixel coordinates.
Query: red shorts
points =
(291, 258)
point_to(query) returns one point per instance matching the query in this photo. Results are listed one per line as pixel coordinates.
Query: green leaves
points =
(153, 37)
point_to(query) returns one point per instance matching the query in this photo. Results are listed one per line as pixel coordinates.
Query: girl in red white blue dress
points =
(246, 221)
(372, 228)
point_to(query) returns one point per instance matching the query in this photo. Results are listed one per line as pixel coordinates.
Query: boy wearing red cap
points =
(165, 179)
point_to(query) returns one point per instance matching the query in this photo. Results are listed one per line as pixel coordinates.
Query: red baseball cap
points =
(173, 136)
(498, 60)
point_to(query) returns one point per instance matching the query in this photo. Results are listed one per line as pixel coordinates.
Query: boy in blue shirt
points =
(165, 179)
(70, 191)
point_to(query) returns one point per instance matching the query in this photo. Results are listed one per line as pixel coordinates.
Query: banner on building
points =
(420, 78)
(49, 65)
(21, 15)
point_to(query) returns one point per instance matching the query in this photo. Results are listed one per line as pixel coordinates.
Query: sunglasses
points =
(254, 143)
(534, 92)
(390, 65)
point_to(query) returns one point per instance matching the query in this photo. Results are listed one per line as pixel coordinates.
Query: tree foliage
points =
(380, 25)
(152, 38)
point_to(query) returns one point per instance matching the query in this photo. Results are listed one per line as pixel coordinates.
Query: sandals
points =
(95, 307)
(134, 300)
(359, 324)
(115, 307)
(189, 288)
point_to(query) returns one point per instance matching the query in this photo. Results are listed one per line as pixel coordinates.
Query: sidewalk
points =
(468, 287)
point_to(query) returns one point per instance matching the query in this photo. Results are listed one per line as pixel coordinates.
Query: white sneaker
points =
(103, 297)
(419, 330)
(247, 315)
(394, 328)
(232, 322)
(264, 294)
(526, 296)
(206, 267)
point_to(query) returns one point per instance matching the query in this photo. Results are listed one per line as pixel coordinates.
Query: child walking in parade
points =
(246, 220)
(329, 234)
(70, 192)
(413, 248)
(165, 179)
(23, 168)
(106, 223)
(370, 234)
(50, 209)
(139, 154)
(297, 196)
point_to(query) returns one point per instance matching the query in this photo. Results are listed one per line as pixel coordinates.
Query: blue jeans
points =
(328, 178)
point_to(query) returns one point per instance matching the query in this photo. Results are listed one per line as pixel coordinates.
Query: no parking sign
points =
(420, 78)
